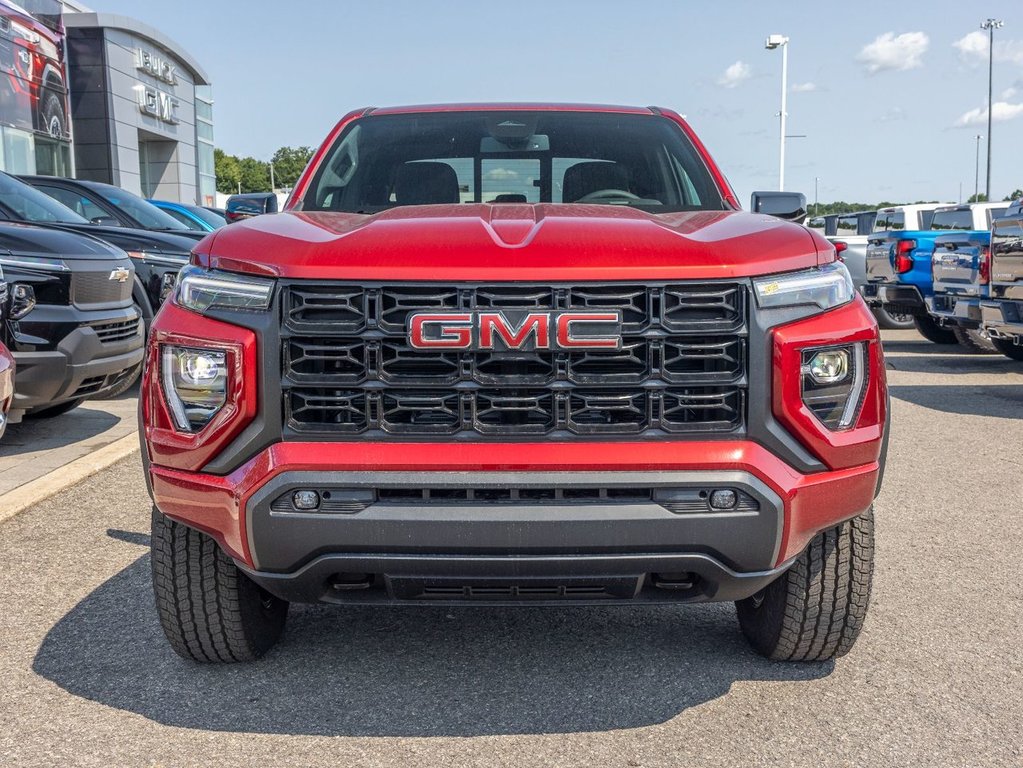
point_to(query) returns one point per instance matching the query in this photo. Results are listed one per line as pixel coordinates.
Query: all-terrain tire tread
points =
(208, 609)
(815, 611)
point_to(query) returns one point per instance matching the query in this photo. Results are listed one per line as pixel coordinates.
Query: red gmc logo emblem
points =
(495, 330)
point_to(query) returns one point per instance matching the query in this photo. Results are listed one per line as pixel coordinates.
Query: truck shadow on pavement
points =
(400, 671)
(33, 435)
(1004, 401)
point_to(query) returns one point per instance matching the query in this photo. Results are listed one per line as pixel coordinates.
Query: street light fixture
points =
(990, 25)
(780, 41)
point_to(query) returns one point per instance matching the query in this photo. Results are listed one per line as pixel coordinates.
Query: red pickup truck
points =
(514, 354)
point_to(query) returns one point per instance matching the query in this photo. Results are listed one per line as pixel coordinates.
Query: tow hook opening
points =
(681, 580)
(346, 582)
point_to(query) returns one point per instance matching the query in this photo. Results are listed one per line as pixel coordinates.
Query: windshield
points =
(213, 219)
(146, 214)
(381, 162)
(29, 204)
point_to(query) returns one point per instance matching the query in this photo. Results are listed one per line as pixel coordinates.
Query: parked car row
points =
(84, 267)
(941, 272)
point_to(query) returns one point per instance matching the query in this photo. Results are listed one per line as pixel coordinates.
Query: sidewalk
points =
(36, 447)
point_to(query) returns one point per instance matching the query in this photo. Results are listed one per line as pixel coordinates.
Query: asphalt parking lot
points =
(87, 679)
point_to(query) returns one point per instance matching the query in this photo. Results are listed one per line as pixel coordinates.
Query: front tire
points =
(1007, 348)
(815, 611)
(931, 331)
(209, 610)
(127, 383)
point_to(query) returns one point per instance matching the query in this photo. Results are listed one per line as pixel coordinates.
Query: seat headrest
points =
(583, 179)
(421, 183)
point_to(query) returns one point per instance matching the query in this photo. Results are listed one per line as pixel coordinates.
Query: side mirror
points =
(105, 221)
(250, 204)
(790, 206)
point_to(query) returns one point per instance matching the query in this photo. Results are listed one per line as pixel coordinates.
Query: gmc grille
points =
(349, 370)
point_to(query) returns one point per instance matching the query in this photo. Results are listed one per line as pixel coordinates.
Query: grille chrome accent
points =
(348, 369)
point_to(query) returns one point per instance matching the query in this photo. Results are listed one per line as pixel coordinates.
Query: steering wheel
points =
(607, 194)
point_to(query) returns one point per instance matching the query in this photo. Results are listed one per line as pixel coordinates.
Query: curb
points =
(42, 488)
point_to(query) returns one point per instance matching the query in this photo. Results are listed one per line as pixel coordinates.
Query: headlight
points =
(828, 286)
(23, 299)
(833, 382)
(195, 384)
(199, 290)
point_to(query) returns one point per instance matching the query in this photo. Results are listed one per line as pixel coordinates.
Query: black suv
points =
(71, 324)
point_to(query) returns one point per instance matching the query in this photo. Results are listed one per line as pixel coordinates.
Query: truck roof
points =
(511, 107)
(915, 207)
(973, 206)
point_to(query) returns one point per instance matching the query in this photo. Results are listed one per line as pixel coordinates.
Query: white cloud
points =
(1010, 92)
(734, 75)
(889, 51)
(974, 47)
(804, 87)
(1000, 112)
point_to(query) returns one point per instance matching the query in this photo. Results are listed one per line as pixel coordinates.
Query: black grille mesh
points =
(98, 288)
(348, 368)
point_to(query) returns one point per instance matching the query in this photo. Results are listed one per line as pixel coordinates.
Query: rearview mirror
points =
(790, 206)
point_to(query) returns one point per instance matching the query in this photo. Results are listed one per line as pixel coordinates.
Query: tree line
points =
(841, 206)
(247, 174)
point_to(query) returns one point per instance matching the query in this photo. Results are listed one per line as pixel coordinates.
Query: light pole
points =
(780, 41)
(990, 25)
(816, 180)
(976, 171)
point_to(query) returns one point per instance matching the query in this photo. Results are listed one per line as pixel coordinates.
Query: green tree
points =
(1016, 194)
(980, 197)
(255, 175)
(289, 162)
(228, 171)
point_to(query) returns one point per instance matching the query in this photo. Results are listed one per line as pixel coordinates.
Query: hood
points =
(130, 239)
(512, 242)
(31, 240)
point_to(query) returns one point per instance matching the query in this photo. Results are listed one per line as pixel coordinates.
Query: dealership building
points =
(103, 97)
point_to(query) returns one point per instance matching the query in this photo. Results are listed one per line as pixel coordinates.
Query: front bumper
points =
(670, 547)
(895, 298)
(81, 365)
(1003, 319)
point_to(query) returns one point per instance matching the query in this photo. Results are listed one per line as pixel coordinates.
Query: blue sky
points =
(887, 93)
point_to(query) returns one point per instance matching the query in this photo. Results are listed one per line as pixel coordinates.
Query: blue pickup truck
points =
(899, 267)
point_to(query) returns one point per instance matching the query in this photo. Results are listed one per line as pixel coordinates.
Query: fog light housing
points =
(723, 498)
(194, 384)
(833, 383)
(305, 499)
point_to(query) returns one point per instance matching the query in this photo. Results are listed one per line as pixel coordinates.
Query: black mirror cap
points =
(250, 204)
(790, 206)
